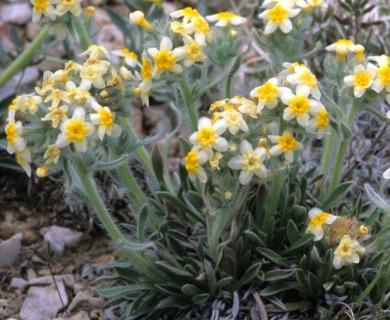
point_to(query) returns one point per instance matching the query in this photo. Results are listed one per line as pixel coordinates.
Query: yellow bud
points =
(104, 94)
(138, 18)
(89, 11)
(233, 33)
(228, 195)
(363, 230)
(42, 171)
(137, 91)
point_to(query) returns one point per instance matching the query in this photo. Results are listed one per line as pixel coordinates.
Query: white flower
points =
(361, 79)
(317, 219)
(75, 131)
(130, 57)
(13, 132)
(302, 77)
(285, 144)
(250, 162)
(104, 118)
(278, 17)
(226, 19)
(208, 135)
(23, 158)
(234, 121)
(193, 163)
(299, 106)
(268, 94)
(347, 252)
(386, 174)
(43, 7)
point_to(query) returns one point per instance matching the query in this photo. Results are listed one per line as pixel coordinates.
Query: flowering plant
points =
(245, 225)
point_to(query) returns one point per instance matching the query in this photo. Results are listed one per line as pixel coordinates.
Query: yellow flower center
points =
(345, 250)
(318, 220)
(192, 161)
(11, 132)
(164, 60)
(76, 130)
(129, 53)
(251, 162)
(362, 79)
(200, 25)
(277, 14)
(384, 75)
(308, 79)
(206, 137)
(287, 143)
(225, 15)
(146, 69)
(41, 5)
(322, 119)
(267, 92)
(299, 105)
(105, 118)
(194, 51)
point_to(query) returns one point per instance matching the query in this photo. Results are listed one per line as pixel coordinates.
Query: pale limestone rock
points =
(60, 238)
(18, 13)
(10, 249)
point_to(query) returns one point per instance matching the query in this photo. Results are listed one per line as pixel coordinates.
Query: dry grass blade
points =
(260, 304)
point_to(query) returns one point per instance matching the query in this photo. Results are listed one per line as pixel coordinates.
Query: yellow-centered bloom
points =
(43, 7)
(73, 6)
(382, 80)
(104, 118)
(138, 18)
(56, 115)
(193, 51)
(234, 121)
(23, 158)
(341, 47)
(285, 144)
(267, 94)
(299, 106)
(166, 59)
(13, 132)
(250, 162)
(348, 251)
(56, 96)
(279, 17)
(208, 135)
(52, 154)
(130, 57)
(302, 77)
(75, 131)
(317, 220)
(226, 19)
(193, 163)
(93, 71)
(361, 79)
(320, 121)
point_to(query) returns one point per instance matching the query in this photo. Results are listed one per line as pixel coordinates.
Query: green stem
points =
(273, 199)
(327, 152)
(131, 183)
(190, 103)
(82, 33)
(140, 151)
(97, 204)
(25, 57)
(339, 160)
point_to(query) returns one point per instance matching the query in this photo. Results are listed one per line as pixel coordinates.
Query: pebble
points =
(60, 238)
(18, 13)
(10, 249)
(43, 302)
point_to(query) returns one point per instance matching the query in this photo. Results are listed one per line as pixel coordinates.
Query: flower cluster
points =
(279, 12)
(237, 122)
(341, 231)
(172, 56)
(66, 110)
(54, 8)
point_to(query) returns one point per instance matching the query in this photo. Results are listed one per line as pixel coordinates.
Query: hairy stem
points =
(82, 33)
(25, 57)
(190, 103)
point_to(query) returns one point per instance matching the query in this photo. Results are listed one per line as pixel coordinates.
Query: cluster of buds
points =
(279, 12)
(244, 122)
(340, 231)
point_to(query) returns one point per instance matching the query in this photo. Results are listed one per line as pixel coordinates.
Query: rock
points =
(84, 296)
(29, 75)
(18, 283)
(43, 302)
(60, 238)
(10, 249)
(82, 315)
(18, 13)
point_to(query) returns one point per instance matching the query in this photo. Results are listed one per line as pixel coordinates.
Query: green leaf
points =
(5, 103)
(190, 290)
(141, 224)
(369, 288)
(173, 270)
(158, 164)
(224, 282)
(250, 274)
(201, 298)
(10, 163)
(337, 194)
(210, 274)
(278, 274)
(376, 199)
(134, 246)
(292, 232)
(115, 291)
(254, 237)
(277, 288)
(273, 256)
(307, 238)
(196, 199)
